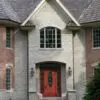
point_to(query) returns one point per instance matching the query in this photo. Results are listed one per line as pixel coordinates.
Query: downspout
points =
(73, 35)
(27, 67)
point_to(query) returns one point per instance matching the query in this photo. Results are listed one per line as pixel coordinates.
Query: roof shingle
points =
(92, 13)
(19, 10)
(23, 7)
(6, 11)
(76, 7)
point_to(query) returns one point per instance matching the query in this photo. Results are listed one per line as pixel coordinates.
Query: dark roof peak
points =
(19, 10)
(7, 12)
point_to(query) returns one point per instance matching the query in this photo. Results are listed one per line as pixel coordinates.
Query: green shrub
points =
(93, 87)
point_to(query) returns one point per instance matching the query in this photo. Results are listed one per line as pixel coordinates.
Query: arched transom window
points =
(50, 37)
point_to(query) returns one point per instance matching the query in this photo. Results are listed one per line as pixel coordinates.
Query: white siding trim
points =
(60, 4)
(67, 11)
(34, 11)
(93, 42)
(95, 63)
(9, 66)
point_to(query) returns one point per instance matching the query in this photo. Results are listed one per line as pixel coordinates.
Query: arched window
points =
(50, 37)
(9, 77)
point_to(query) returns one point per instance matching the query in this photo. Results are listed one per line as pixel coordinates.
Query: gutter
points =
(9, 23)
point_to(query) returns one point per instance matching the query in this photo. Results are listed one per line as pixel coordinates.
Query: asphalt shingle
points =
(92, 13)
(76, 7)
(23, 7)
(19, 10)
(6, 12)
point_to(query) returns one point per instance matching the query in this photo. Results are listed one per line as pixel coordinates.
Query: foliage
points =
(93, 87)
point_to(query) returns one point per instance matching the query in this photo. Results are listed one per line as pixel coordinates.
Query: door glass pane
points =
(50, 78)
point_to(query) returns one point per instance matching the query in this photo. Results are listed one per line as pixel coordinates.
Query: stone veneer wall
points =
(20, 90)
(79, 64)
(47, 16)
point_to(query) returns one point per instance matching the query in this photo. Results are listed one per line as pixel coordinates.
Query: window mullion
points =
(8, 38)
(96, 37)
(44, 37)
(51, 37)
(8, 78)
(55, 37)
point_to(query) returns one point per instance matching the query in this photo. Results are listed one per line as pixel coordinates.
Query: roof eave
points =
(73, 28)
(91, 24)
(9, 23)
(60, 4)
(27, 28)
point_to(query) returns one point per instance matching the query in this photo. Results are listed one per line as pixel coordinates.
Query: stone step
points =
(52, 98)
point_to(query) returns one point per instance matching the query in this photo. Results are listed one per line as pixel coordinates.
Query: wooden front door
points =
(49, 82)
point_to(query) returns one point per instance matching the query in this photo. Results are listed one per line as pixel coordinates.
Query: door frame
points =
(54, 66)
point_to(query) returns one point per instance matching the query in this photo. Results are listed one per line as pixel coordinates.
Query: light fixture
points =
(32, 72)
(69, 71)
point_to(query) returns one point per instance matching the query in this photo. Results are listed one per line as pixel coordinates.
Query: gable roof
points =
(58, 2)
(19, 10)
(76, 7)
(7, 12)
(92, 13)
(23, 7)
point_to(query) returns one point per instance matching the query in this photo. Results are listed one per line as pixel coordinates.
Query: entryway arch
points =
(51, 78)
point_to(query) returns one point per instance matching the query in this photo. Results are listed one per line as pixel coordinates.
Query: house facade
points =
(49, 48)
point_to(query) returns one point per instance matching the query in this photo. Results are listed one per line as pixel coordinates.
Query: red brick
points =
(6, 55)
(92, 55)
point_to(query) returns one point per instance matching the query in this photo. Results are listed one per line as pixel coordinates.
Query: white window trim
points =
(51, 49)
(55, 40)
(93, 41)
(56, 37)
(10, 67)
(10, 40)
(33, 12)
(94, 66)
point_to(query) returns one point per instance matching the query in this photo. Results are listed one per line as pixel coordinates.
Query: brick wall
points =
(6, 54)
(92, 55)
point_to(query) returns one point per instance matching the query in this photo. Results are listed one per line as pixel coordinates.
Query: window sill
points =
(11, 90)
(51, 49)
(95, 48)
(8, 91)
(9, 48)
